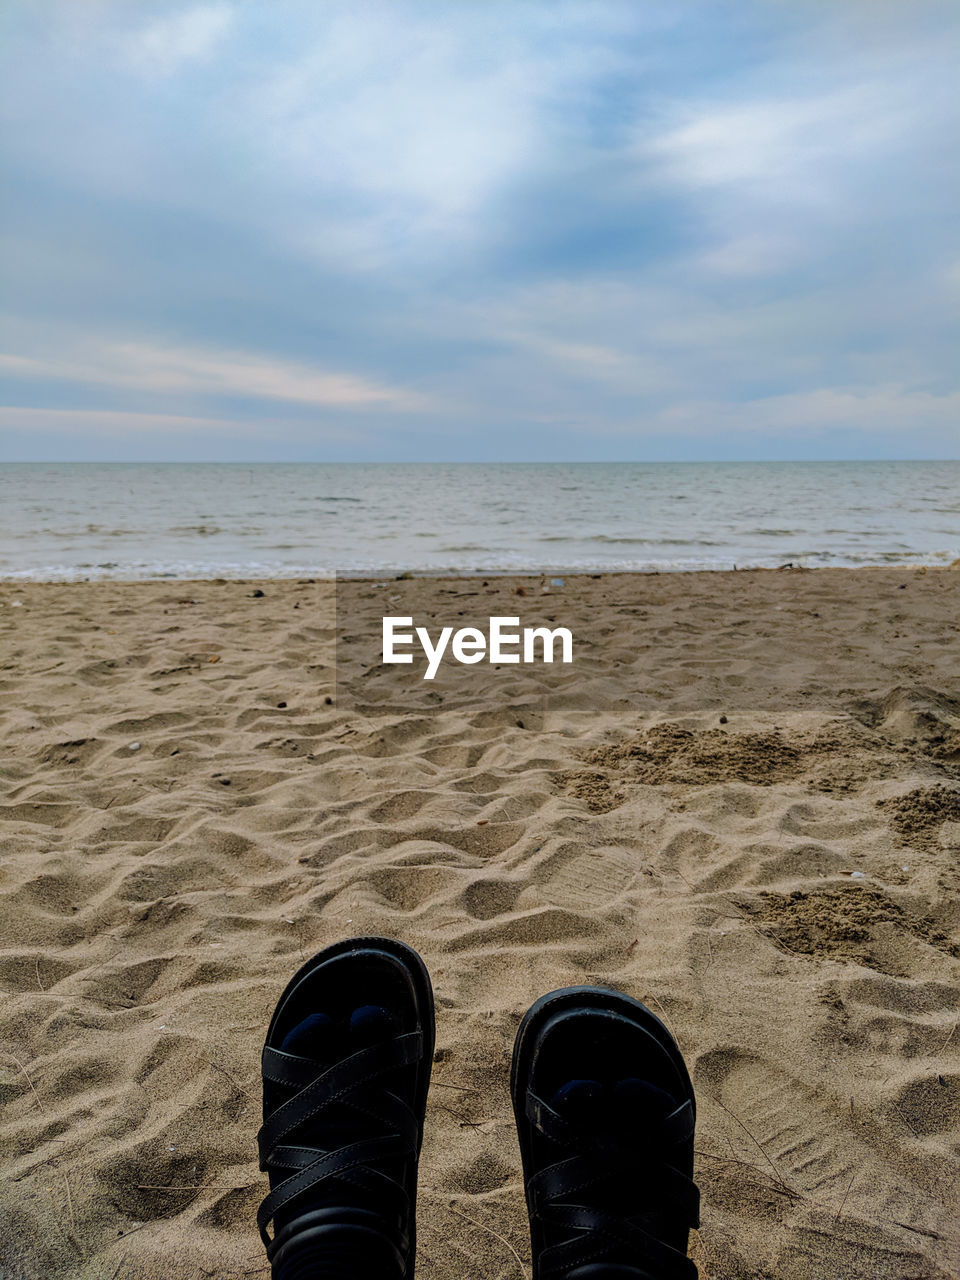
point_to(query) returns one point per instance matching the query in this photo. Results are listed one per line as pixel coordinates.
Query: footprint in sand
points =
(586, 878)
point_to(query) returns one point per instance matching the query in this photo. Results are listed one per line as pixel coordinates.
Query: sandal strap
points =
(561, 1130)
(680, 1125)
(676, 1126)
(302, 1157)
(388, 1111)
(386, 1190)
(553, 1192)
(609, 1271)
(327, 1165)
(602, 1230)
(332, 1085)
(565, 1179)
(347, 1084)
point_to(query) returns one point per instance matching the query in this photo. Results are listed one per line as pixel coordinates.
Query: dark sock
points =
(312, 1038)
(629, 1102)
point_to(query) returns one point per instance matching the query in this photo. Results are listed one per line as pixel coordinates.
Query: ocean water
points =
(190, 520)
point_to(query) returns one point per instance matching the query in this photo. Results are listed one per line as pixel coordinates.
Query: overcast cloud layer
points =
(478, 230)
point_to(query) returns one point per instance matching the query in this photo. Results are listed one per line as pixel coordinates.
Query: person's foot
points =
(605, 1116)
(346, 1065)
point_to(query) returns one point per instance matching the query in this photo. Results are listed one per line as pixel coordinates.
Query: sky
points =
(445, 231)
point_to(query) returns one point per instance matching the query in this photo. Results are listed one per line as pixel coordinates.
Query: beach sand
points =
(741, 804)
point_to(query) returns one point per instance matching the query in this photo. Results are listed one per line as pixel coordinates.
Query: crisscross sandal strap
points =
(558, 1128)
(593, 1235)
(388, 1111)
(375, 1186)
(328, 1164)
(567, 1178)
(338, 1081)
(345, 1084)
(404, 1130)
(676, 1126)
(598, 1233)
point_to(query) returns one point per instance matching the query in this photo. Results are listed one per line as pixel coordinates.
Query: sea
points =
(67, 521)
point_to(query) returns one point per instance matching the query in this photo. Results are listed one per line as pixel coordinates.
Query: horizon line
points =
(438, 462)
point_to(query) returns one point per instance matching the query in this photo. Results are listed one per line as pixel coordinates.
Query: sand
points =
(742, 804)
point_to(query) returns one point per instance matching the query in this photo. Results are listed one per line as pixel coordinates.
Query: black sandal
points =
(605, 1115)
(346, 1066)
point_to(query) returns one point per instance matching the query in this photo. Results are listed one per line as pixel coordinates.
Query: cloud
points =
(153, 369)
(108, 422)
(755, 254)
(878, 410)
(397, 127)
(767, 143)
(626, 219)
(625, 372)
(167, 45)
